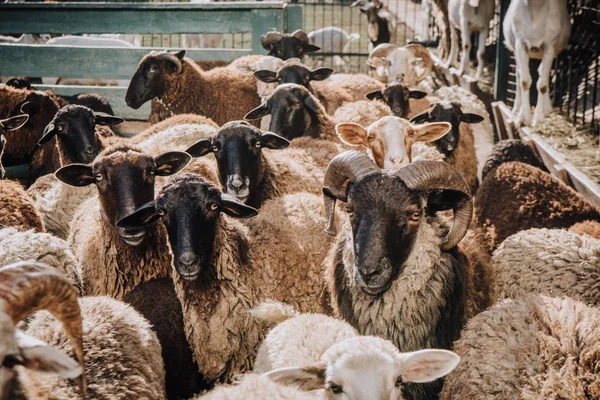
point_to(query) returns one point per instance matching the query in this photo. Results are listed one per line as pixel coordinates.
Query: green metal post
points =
(501, 78)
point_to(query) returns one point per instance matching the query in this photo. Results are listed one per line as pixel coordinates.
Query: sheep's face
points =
(75, 127)
(292, 110)
(125, 181)
(390, 139)
(371, 10)
(397, 96)
(451, 113)
(286, 46)
(237, 148)
(294, 73)
(367, 368)
(190, 208)
(9, 124)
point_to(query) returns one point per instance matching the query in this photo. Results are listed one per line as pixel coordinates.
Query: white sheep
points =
(391, 63)
(332, 40)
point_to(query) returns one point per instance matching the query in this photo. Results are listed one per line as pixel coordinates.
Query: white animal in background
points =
(535, 29)
(332, 40)
(135, 40)
(26, 39)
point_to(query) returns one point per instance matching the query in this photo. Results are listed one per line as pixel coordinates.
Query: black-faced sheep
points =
(286, 45)
(395, 271)
(510, 150)
(534, 348)
(397, 96)
(517, 196)
(222, 94)
(9, 124)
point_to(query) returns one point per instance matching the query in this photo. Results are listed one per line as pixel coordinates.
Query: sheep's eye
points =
(215, 148)
(337, 389)
(350, 210)
(370, 137)
(160, 212)
(59, 128)
(152, 172)
(214, 206)
(153, 68)
(99, 177)
(415, 216)
(258, 144)
(399, 381)
(11, 360)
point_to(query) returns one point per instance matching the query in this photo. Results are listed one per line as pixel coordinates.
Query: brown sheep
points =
(17, 209)
(222, 94)
(517, 196)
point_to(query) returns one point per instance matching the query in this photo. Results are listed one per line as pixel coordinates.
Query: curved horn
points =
(165, 55)
(301, 36)
(350, 165)
(438, 175)
(383, 50)
(270, 38)
(26, 287)
(421, 52)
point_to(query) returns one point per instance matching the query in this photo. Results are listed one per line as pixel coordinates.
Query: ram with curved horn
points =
(396, 271)
(286, 45)
(408, 65)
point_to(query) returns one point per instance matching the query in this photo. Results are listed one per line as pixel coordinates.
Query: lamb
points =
(517, 197)
(535, 29)
(535, 347)
(391, 63)
(314, 351)
(410, 285)
(39, 247)
(552, 262)
(510, 150)
(390, 140)
(286, 45)
(222, 94)
(469, 16)
(253, 175)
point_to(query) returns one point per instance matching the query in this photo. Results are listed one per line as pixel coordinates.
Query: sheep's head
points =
(237, 147)
(93, 101)
(19, 83)
(293, 111)
(391, 63)
(447, 112)
(125, 180)
(75, 126)
(389, 140)
(26, 287)
(387, 211)
(153, 76)
(367, 367)
(397, 96)
(286, 46)
(9, 124)
(190, 208)
(294, 73)
(371, 10)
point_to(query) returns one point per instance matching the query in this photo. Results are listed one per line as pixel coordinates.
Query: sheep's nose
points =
(371, 274)
(397, 161)
(235, 182)
(188, 261)
(89, 150)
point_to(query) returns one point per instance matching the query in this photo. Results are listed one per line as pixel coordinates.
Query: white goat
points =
(469, 16)
(332, 40)
(535, 29)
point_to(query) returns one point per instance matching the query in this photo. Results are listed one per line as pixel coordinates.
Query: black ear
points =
(264, 75)
(76, 175)
(107, 119)
(471, 118)
(441, 200)
(309, 102)
(417, 94)
(200, 148)
(336, 192)
(320, 74)
(12, 123)
(362, 10)
(310, 48)
(420, 118)
(273, 141)
(49, 133)
(376, 95)
(180, 54)
(258, 112)
(143, 216)
(235, 208)
(171, 162)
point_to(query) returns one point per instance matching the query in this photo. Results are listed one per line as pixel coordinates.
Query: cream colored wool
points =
(256, 387)
(356, 85)
(552, 262)
(362, 112)
(533, 348)
(590, 228)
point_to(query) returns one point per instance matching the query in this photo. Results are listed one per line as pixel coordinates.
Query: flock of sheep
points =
(282, 232)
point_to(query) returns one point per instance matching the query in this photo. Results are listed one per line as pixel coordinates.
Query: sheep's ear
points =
(420, 118)
(307, 378)
(258, 112)
(352, 134)
(13, 123)
(171, 162)
(376, 95)
(38, 356)
(200, 148)
(49, 133)
(417, 94)
(143, 216)
(430, 132)
(273, 141)
(311, 48)
(107, 119)
(428, 365)
(235, 208)
(76, 175)
(471, 118)
(320, 74)
(245, 69)
(266, 76)
(336, 192)
(180, 54)
(309, 102)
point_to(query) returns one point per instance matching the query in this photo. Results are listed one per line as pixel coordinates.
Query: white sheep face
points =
(401, 67)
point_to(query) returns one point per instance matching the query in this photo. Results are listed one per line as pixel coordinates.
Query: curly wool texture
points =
(534, 348)
(517, 197)
(256, 387)
(362, 112)
(590, 228)
(18, 246)
(222, 94)
(356, 85)
(17, 208)
(511, 150)
(122, 354)
(552, 262)
(109, 266)
(151, 132)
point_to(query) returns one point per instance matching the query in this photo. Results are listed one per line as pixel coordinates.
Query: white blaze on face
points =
(388, 146)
